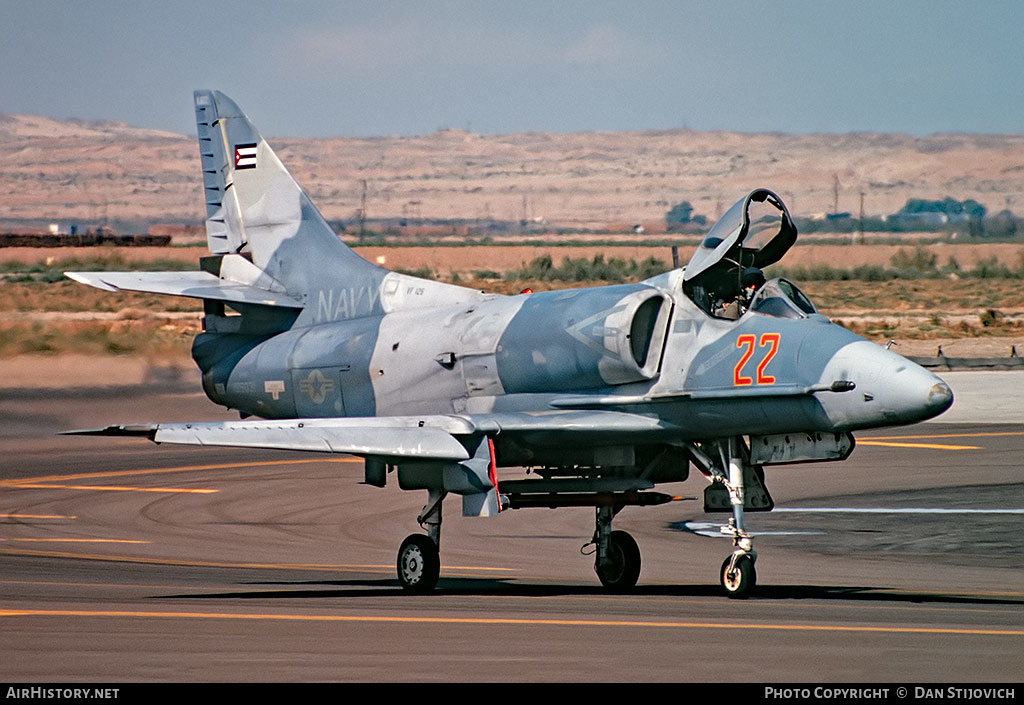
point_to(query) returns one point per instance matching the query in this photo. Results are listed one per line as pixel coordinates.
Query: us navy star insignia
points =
(316, 386)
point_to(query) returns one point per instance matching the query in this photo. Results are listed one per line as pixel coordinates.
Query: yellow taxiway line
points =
(946, 435)
(38, 516)
(109, 488)
(390, 567)
(54, 481)
(78, 540)
(509, 621)
(183, 468)
(900, 441)
(933, 446)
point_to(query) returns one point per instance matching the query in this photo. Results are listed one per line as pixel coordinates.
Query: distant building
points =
(926, 219)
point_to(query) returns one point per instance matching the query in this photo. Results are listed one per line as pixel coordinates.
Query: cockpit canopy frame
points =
(781, 298)
(756, 231)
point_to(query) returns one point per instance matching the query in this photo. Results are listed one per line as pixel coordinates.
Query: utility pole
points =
(859, 235)
(362, 212)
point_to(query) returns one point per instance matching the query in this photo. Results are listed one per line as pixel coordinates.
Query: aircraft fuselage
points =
(642, 348)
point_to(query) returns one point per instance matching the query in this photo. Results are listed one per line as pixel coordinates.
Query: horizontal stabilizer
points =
(198, 285)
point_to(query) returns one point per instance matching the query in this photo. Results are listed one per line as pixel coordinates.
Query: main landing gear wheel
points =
(622, 569)
(419, 563)
(740, 581)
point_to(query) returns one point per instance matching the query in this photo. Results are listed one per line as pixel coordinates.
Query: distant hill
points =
(72, 170)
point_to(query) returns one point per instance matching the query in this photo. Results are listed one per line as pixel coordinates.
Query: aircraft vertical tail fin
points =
(254, 206)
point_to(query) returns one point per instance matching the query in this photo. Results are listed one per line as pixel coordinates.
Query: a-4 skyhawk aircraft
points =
(604, 392)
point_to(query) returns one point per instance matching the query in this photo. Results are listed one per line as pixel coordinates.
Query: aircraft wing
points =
(398, 437)
(430, 437)
(449, 452)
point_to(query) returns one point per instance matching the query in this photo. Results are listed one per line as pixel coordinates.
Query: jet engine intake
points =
(597, 340)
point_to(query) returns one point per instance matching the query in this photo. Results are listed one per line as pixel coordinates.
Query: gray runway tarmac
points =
(125, 561)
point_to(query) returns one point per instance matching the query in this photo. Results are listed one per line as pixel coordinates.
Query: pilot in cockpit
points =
(751, 280)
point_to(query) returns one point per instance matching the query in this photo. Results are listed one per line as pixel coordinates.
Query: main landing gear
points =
(419, 558)
(419, 563)
(618, 557)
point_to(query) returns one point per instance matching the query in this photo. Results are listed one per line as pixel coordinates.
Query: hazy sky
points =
(317, 68)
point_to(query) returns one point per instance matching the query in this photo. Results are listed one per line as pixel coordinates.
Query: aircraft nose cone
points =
(890, 389)
(909, 393)
(940, 398)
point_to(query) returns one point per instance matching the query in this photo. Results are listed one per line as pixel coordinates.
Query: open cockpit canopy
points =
(755, 232)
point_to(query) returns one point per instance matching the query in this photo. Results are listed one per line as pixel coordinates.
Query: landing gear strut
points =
(419, 558)
(618, 557)
(738, 574)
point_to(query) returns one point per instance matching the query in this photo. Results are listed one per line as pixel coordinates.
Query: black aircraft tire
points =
(623, 571)
(419, 564)
(741, 584)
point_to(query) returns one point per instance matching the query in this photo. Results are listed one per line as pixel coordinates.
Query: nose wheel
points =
(738, 575)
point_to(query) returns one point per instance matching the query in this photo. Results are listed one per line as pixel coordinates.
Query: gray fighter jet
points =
(603, 392)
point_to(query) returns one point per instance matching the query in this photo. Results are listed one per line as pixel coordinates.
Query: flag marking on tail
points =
(245, 156)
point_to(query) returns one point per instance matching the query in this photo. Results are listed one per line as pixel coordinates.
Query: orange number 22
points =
(768, 340)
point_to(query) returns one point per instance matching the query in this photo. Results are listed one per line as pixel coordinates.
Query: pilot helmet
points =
(752, 277)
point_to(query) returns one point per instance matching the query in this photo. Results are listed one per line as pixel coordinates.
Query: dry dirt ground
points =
(445, 260)
(76, 170)
(967, 317)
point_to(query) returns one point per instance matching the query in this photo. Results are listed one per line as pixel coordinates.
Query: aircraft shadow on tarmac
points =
(389, 587)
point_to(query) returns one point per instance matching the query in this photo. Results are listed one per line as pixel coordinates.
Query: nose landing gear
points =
(730, 471)
(739, 578)
(738, 574)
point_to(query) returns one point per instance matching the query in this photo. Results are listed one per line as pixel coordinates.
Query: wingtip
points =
(133, 430)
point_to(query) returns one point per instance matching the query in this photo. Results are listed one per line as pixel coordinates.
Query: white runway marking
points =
(894, 510)
(713, 530)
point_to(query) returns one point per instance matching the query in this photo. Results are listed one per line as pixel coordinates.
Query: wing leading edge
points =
(431, 437)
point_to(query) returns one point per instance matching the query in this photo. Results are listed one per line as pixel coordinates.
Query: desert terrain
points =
(44, 314)
(446, 261)
(77, 171)
(64, 172)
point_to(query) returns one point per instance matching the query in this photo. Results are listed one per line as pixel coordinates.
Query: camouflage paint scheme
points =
(605, 391)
